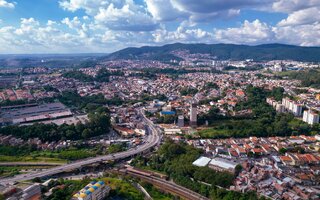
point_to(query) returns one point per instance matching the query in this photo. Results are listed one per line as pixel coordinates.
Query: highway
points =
(152, 140)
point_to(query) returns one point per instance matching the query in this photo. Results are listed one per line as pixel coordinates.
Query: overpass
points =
(152, 140)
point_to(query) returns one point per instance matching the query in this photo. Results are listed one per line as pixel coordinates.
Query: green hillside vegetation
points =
(222, 52)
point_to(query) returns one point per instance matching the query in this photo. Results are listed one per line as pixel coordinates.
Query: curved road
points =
(152, 140)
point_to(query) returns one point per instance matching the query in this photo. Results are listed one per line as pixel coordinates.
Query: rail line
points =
(165, 185)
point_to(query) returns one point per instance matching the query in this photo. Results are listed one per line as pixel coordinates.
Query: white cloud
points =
(129, 17)
(6, 4)
(90, 6)
(305, 16)
(109, 25)
(163, 10)
(249, 33)
(182, 34)
(209, 10)
(289, 6)
(304, 35)
(73, 23)
(114, 14)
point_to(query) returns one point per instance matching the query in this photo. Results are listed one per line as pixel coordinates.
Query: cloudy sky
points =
(74, 26)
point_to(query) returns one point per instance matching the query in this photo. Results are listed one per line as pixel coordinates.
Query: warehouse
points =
(33, 113)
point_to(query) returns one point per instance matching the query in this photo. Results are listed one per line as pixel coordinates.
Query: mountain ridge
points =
(222, 51)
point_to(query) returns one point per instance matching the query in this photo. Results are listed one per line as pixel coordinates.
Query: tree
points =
(238, 169)
(86, 133)
(283, 151)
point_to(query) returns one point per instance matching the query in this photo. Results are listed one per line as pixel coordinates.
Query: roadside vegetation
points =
(28, 153)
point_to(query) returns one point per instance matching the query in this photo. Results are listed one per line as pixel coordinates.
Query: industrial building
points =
(30, 113)
(93, 191)
(221, 164)
(32, 192)
(202, 161)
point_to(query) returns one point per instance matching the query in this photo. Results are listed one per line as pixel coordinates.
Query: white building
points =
(172, 131)
(202, 161)
(310, 117)
(222, 164)
(297, 109)
(280, 108)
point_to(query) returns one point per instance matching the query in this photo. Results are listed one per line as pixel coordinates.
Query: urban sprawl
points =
(190, 101)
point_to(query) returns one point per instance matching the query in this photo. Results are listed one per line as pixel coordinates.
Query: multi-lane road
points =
(151, 140)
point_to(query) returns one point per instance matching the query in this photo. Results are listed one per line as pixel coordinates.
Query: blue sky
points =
(74, 26)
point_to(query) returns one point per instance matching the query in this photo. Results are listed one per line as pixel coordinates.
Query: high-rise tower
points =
(193, 115)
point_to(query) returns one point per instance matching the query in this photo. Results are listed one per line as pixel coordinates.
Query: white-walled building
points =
(310, 117)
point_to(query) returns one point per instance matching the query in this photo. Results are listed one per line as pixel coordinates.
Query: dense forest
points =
(175, 159)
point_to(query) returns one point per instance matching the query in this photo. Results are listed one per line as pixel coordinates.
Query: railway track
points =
(166, 186)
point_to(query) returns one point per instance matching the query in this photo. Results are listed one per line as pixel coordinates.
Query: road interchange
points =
(152, 140)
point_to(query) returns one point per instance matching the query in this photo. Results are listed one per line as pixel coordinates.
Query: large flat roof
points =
(31, 111)
(202, 161)
(223, 163)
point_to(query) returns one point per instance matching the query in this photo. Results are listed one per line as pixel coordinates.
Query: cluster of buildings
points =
(32, 192)
(275, 167)
(287, 105)
(13, 95)
(95, 190)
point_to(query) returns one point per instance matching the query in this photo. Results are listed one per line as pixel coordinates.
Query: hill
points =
(263, 52)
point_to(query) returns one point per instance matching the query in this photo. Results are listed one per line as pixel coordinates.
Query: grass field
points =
(123, 189)
(13, 170)
(31, 159)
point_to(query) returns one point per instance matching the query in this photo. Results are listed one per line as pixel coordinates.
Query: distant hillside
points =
(50, 60)
(222, 52)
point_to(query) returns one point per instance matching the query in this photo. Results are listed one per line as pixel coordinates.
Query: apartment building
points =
(310, 117)
(93, 191)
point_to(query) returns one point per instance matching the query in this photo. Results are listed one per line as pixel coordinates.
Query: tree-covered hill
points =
(263, 52)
